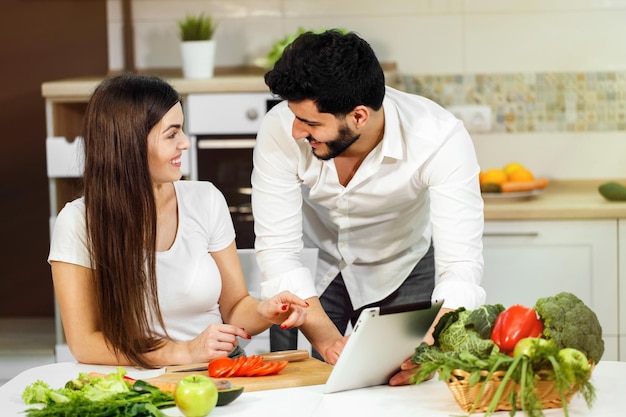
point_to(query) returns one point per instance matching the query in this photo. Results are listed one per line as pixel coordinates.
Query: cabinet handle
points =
(511, 234)
(226, 143)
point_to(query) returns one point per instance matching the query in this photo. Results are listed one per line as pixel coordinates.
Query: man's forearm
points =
(322, 332)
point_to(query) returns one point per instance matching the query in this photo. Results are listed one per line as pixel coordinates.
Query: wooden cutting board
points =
(297, 374)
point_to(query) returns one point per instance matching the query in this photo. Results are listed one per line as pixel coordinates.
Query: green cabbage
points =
(464, 330)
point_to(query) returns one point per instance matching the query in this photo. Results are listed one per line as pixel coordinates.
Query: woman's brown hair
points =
(120, 209)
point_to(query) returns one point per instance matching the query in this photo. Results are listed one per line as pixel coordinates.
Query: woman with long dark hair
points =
(145, 266)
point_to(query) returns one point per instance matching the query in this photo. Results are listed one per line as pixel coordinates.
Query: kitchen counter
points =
(226, 80)
(561, 200)
(432, 398)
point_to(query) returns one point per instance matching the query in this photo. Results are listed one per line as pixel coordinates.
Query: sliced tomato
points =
(276, 367)
(251, 363)
(236, 366)
(220, 366)
(280, 366)
(265, 369)
(261, 367)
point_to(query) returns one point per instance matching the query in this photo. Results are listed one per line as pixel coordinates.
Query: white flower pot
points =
(198, 58)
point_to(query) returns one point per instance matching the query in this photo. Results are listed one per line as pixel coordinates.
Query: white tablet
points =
(382, 338)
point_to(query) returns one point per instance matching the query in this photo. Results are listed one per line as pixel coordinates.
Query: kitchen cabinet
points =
(526, 260)
(621, 243)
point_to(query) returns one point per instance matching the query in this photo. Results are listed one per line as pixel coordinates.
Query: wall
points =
(553, 67)
(68, 40)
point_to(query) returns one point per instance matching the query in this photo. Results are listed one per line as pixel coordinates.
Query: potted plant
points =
(197, 45)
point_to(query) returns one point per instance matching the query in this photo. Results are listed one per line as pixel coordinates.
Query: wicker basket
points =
(465, 395)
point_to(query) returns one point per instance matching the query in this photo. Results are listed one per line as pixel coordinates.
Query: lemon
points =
(513, 166)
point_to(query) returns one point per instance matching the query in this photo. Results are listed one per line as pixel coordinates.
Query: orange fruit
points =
(493, 176)
(521, 175)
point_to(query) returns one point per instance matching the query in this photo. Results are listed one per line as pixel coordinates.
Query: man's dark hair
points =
(337, 71)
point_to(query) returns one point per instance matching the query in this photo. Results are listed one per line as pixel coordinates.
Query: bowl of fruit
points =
(513, 181)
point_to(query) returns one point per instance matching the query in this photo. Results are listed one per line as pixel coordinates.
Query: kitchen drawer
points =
(226, 113)
(64, 159)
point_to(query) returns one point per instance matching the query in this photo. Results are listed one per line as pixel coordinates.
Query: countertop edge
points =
(226, 79)
(561, 200)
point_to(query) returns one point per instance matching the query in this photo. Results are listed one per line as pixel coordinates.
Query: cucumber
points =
(613, 191)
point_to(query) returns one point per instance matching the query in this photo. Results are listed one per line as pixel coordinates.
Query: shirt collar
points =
(392, 136)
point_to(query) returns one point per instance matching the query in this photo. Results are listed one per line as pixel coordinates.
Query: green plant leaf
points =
(196, 28)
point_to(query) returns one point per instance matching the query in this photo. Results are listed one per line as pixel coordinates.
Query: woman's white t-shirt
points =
(189, 283)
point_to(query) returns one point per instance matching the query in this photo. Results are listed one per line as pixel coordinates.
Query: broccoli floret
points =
(570, 323)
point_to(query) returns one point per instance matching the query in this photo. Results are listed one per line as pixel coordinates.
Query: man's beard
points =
(336, 146)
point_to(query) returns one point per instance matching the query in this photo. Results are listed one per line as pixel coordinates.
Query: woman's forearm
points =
(94, 350)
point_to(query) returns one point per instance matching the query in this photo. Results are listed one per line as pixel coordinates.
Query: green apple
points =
(533, 347)
(195, 395)
(574, 364)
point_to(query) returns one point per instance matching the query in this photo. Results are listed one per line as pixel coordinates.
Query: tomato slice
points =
(220, 366)
(260, 368)
(251, 363)
(280, 366)
(269, 368)
(236, 366)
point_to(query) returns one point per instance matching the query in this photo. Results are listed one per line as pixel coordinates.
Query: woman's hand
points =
(216, 341)
(285, 309)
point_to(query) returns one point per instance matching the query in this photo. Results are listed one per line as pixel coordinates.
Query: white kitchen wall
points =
(422, 36)
(445, 40)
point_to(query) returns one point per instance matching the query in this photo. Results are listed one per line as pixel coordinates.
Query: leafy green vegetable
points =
(97, 395)
(432, 359)
(463, 330)
(570, 323)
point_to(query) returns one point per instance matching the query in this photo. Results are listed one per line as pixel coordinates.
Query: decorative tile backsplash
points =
(534, 102)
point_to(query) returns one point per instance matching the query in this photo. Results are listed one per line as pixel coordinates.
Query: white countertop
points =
(431, 399)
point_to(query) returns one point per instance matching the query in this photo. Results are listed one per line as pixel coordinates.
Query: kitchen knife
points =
(283, 355)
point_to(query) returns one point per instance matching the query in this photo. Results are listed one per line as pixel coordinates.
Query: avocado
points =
(228, 395)
(613, 191)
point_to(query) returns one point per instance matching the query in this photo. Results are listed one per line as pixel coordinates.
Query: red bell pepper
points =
(514, 324)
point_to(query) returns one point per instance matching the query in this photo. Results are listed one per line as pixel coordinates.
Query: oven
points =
(222, 128)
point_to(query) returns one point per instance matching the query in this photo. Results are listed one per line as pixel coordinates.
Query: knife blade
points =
(283, 355)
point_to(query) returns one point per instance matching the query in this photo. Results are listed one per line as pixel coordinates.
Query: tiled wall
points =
(542, 65)
(535, 102)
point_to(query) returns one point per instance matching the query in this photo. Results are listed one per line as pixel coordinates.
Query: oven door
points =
(226, 161)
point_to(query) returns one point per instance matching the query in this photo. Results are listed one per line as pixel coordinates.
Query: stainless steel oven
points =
(222, 128)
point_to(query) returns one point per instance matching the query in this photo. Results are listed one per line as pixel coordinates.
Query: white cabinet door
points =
(622, 286)
(526, 260)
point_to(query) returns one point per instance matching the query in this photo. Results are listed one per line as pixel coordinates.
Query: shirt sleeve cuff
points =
(297, 281)
(459, 294)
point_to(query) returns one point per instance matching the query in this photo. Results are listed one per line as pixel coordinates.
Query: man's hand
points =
(322, 332)
(403, 377)
(332, 353)
(407, 369)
